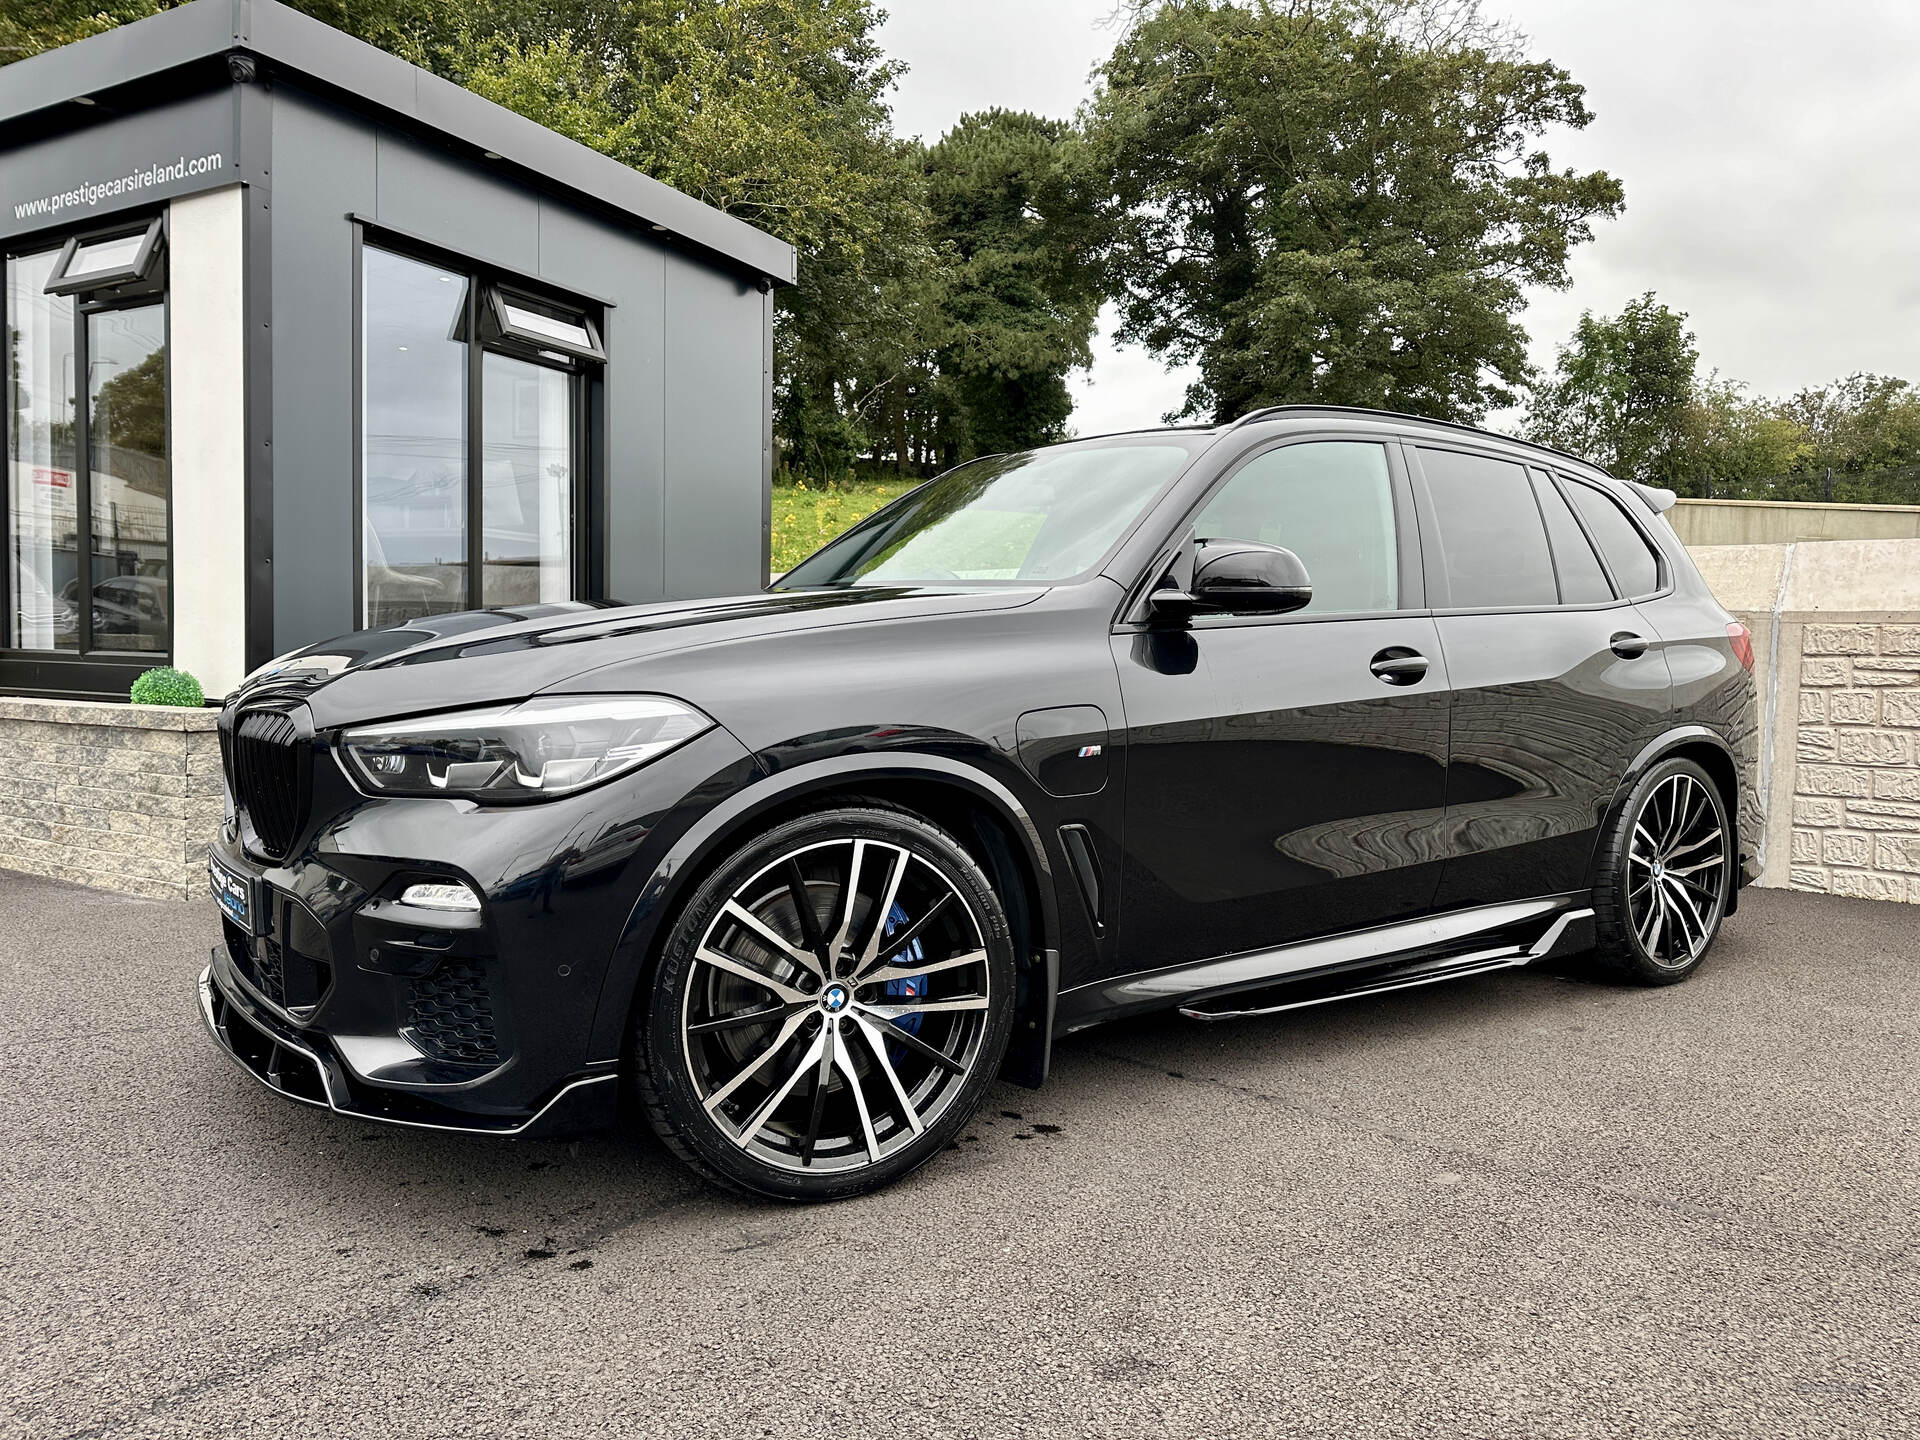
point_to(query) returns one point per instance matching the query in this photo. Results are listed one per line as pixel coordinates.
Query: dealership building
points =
(302, 338)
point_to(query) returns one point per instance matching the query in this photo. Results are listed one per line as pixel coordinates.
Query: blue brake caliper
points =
(912, 988)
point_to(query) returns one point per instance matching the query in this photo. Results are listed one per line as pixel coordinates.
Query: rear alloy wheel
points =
(1666, 876)
(831, 1007)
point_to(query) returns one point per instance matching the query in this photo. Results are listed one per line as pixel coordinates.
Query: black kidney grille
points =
(451, 1013)
(268, 770)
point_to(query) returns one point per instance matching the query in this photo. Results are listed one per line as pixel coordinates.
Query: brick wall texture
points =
(1856, 790)
(123, 797)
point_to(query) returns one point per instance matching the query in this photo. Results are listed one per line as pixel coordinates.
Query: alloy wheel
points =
(1677, 871)
(837, 1004)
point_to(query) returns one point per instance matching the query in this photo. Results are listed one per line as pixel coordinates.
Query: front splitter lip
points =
(568, 1095)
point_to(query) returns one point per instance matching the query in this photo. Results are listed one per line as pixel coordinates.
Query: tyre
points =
(1666, 872)
(829, 1008)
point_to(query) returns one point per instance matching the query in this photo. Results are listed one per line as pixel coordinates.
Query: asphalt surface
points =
(1523, 1205)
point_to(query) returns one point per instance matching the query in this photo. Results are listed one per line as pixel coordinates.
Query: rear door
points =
(1285, 774)
(1557, 679)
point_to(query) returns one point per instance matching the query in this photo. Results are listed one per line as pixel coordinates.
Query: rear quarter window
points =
(1635, 566)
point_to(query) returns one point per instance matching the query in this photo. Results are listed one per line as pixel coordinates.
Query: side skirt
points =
(1360, 962)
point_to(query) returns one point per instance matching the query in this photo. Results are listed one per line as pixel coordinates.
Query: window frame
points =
(1410, 579)
(1539, 476)
(1663, 567)
(514, 338)
(89, 672)
(1438, 588)
(585, 410)
(152, 241)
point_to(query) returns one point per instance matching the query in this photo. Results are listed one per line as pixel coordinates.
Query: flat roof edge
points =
(307, 49)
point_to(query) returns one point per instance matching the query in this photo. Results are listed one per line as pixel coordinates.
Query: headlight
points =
(554, 745)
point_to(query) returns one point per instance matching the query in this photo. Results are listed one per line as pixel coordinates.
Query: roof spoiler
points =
(1659, 501)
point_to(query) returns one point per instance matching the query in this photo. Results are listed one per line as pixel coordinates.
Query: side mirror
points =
(1239, 577)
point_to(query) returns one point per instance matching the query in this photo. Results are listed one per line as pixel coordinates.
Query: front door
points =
(1286, 775)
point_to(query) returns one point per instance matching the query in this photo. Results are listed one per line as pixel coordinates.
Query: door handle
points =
(1627, 645)
(1399, 665)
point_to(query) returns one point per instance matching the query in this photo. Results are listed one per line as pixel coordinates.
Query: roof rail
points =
(1271, 412)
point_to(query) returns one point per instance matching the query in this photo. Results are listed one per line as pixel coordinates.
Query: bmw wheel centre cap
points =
(835, 999)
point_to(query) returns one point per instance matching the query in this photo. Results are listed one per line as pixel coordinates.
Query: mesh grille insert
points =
(451, 1013)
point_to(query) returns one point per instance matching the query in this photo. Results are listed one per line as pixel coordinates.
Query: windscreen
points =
(1044, 516)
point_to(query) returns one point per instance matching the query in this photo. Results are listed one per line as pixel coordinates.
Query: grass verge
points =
(808, 514)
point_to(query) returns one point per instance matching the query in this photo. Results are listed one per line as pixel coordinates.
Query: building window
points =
(471, 440)
(87, 494)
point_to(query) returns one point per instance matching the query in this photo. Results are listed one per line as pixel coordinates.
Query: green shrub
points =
(167, 686)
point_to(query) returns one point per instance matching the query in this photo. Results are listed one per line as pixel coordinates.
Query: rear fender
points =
(1681, 737)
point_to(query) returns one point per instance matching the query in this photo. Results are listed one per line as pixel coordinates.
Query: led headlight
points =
(549, 746)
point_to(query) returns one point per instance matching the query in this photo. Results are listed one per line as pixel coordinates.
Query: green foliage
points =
(1018, 308)
(1620, 392)
(1624, 394)
(806, 516)
(1333, 200)
(29, 26)
(1859, 424)
(167, 686)
(1728, 438)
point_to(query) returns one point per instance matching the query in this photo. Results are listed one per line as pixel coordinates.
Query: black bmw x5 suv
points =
(1316, 705)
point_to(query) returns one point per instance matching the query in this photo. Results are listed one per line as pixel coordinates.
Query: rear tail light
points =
(1741, 639)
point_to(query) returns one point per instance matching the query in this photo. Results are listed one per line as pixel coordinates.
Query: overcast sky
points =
(1767, 148)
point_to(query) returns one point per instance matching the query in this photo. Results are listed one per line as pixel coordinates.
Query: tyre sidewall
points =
(1627, 951)
(669, 1089)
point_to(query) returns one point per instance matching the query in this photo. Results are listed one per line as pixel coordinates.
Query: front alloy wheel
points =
(831, 1006)
(1667, 876)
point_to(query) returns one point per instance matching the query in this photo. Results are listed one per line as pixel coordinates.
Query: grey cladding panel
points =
(585, 254)
(119, 164)
(323, 168)
(440, 199)
(714, 455)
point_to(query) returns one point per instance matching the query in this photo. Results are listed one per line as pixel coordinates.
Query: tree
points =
(1861, 423)
(1727, 439)
(1019, 304)
(1334, 200)
(29, 26)
(1620, 391)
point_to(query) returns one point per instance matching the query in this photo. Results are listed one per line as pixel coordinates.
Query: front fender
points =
(716, 830)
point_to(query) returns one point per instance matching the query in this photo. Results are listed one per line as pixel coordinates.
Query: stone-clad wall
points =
(123, 797)
(1837, 636)
(1856, 805)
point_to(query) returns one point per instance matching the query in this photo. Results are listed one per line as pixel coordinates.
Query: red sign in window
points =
(59, 479)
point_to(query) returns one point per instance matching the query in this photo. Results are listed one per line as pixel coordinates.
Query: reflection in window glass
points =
(526, 482)
(1045, 515)
(413, 441)
(127, 467)
(1491, 539)
(102, 257)
(1582, 581)
(1331, 503)
(43, 539)
(1634, 565)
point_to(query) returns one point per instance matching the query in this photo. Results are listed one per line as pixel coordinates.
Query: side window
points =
(1331, 503)
(1633, 563)
(1492, 544)
(1582, 581)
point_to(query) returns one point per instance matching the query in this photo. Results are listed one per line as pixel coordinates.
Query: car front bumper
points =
(303, 1067)
(330, 988)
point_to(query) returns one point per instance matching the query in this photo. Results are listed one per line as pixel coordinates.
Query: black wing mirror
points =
(1239, 577)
